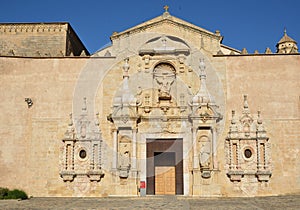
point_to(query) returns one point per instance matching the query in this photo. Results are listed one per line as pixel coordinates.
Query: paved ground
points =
(163, 202)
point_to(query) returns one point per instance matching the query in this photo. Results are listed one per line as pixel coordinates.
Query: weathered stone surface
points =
(39, 40)
(163, 79)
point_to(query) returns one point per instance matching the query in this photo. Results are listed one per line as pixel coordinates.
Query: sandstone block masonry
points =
(165, 109)
(40, 40)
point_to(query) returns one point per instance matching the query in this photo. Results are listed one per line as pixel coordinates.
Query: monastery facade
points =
(165, 109)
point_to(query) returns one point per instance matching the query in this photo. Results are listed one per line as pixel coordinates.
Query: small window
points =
(248, 153)
(82, 154)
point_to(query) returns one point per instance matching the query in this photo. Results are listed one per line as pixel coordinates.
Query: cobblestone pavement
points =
(161, 202)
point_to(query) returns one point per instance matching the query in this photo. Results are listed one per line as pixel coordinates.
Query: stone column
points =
(72, 155)
(115, 149)
(231, 161)
(66, 155)
(92, 160)
(258, 154)
(143, 157)
(133, 158)
(194, 140)
(214, 148)
(238, 155)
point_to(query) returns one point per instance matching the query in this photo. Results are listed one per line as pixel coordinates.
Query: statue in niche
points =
(164, 75)
(124, 156)
(204, 156)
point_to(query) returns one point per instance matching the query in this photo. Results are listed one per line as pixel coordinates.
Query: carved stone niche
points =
(164, 75)
(125, 152)
(82, 149)
(247, 147)
(204, 144)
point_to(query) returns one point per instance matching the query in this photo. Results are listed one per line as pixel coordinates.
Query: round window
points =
(248, 153)
(82, 154)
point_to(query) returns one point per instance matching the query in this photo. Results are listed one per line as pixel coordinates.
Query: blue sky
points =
(253, 24)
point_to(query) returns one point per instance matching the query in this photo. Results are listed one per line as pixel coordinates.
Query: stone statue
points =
(124, 155)
(204, 156)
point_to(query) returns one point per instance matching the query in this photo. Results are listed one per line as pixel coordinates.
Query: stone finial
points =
(166, 13)
(83, 53)
(203, 95)
(107, 54)
(244, 51)
(70, 119)
(84, 107)
(218, 33)
(97, 123)
(260, 127)
(256, 52)
(259, 120)
(202, 65)
(220, 52)
(126, 68)
(69, 134)
(268, 51)
(233, 121)
(246, 106)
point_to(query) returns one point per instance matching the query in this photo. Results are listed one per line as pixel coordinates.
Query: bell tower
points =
(286, 45)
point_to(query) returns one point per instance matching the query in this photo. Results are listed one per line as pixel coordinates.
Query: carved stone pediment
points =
(124, 116)
(165, 45)
(203, 105)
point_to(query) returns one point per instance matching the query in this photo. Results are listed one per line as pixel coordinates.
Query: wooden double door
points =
(164, 167)
(165, 180)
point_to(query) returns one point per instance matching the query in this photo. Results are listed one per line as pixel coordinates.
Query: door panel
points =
(165, 183)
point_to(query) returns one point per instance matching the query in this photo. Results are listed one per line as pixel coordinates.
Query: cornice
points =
(32, 27)
(169, 20)
(258, 55)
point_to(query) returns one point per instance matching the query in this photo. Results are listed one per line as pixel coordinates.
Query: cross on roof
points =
(166, 8)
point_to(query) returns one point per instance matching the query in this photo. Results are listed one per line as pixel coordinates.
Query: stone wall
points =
(38, 93)
(272, 86)
(39, 40)
(31, 138)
